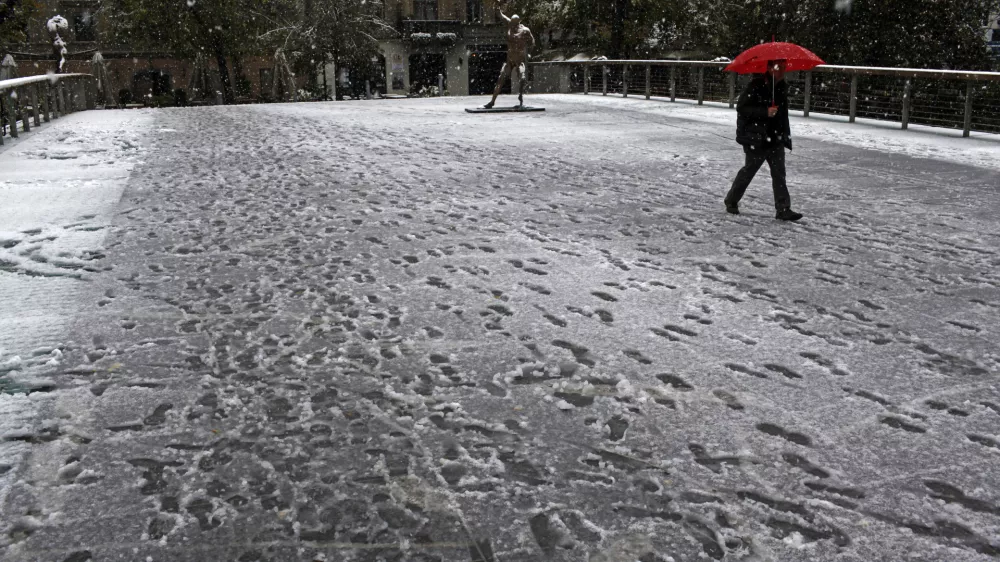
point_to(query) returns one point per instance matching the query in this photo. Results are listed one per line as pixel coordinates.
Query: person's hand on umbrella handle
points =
(772, 111)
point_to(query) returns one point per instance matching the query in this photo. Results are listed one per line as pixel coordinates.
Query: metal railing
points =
(943, 98)
(31, 99)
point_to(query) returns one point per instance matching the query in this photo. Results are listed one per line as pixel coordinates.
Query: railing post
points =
(80, 90)
(586, 79)
(731, 78)
(12, 113)
(34, 105)
(91, 88)
(605, 87)
(61, 103)
(673, 83)
(47, 98)
(23, 111)
(649, 80)
(701, 85)
(79, 93)
(854, 97)
(907, 94)
(625, 81)
(968, 109)
(808, 100)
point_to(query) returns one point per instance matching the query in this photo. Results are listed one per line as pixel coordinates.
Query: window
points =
(84, 28)
(425, 9)
(474, 11)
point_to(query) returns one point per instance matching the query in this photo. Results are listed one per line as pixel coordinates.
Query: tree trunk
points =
(619, 14)
(311, 76)
(240, 77)
(220, 59)
(338, 91)
(219, 47)
(783, 24)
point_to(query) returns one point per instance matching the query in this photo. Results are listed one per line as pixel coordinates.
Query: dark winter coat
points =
(753, 127)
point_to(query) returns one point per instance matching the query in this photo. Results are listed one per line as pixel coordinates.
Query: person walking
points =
(763, 131)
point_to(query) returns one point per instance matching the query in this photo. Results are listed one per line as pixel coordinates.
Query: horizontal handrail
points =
(875, 92)
(29, 99)
(657, 62)
(864, 70)
(26, 80)
(911, 72)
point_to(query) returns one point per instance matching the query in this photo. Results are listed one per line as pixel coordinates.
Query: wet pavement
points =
(396, 331)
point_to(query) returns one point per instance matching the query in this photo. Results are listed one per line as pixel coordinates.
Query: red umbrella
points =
(754, 60)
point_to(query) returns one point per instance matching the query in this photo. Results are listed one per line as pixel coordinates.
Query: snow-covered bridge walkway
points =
(397, 331)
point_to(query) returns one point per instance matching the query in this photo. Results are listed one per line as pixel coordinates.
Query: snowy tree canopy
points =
(15, 17)
(221, 29)
(310, 31)
(343, 29)
(921, 33)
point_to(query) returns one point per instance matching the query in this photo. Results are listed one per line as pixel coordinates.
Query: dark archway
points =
(146, 81)
(424, 70)
(355, 78)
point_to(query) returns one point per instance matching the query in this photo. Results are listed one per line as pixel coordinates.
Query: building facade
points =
(463, 41)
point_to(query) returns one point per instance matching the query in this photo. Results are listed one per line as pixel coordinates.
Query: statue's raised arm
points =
(519, 40)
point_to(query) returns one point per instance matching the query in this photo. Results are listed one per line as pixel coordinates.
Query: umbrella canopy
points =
(100, 72)
(754, 60)
(8, 68)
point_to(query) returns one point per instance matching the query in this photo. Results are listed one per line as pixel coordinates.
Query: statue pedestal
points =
(514, 109)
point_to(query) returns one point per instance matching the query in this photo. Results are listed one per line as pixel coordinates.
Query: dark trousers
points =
(775, 157)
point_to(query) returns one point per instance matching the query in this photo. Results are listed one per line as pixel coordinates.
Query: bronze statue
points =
(519, 40)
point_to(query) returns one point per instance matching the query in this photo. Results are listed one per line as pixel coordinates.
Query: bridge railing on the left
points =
(29, 100)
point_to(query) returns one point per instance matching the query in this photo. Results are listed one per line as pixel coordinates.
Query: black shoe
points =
(732, 209)
(788, 215)
(488, 106)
